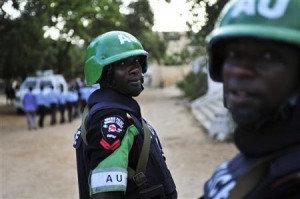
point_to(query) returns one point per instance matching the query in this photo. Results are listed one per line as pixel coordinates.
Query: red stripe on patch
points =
(108, 146)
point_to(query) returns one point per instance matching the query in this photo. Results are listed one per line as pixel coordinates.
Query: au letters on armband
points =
(103, 180)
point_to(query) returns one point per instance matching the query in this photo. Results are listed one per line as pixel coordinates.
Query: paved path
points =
(41, 164)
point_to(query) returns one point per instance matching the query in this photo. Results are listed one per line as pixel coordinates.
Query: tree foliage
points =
(21, 42)
(195, 85)
(27, 46)
(212, 11)
(140, 23)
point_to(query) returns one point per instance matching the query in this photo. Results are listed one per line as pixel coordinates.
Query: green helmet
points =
(266, 19)
(109, 48)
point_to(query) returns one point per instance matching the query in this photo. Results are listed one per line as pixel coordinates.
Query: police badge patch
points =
(112, 129)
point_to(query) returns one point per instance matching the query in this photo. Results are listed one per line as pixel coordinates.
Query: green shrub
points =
(194, 85)
(172, 60)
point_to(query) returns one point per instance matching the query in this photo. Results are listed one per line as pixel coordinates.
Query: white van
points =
(46, 78)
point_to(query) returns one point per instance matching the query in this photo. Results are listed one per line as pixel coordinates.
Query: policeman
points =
(43, 105)
(53, 100)
(85, 92)
(254, 50)
(62, 97)
(71, 100)
(118, 152)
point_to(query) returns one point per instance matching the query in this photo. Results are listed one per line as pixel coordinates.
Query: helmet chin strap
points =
(288, 105)
(283, 112)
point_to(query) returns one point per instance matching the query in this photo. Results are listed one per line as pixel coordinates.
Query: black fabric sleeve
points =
(105, 131)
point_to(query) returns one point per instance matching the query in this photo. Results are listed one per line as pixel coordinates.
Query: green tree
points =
(212, 11)
(26, 45)
(21, 42)
(82, 20)
(195, 85)
(139, 20)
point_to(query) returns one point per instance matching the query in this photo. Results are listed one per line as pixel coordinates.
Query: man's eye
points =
(230, 54)
(137, 60)
(268, 56)
(122, 63)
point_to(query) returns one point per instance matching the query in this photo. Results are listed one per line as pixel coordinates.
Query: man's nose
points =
(135, 68)
(241, 69)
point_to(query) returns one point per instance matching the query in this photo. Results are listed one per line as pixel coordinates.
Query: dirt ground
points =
(41, 163)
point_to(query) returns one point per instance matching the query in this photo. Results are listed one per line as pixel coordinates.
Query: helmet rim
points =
(124, 55)
(257, 31)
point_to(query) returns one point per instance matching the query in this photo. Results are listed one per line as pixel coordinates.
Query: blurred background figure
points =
(71, 103)
(42, 106)
(85, 92)
(9, 92)
(30, 107)
(52, 97)
(62, 104)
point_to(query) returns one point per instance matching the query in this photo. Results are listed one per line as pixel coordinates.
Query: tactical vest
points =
(257, 178)
(157, 171)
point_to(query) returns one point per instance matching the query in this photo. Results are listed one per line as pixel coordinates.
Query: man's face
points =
(128, 76)
(258, 77)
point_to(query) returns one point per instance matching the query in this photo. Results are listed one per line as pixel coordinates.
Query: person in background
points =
(254, 51)
(42, 106)
(30, 107)
(71, 100)
(76, 104)
(62, 104)
(119, 155)
(85, 92)
(78, 87)
(53, 98)
(9, 92)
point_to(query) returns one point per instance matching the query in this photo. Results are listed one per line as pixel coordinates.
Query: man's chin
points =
(135, 92)
(245, 117)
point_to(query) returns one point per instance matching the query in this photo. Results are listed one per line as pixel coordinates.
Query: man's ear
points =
(107, 76)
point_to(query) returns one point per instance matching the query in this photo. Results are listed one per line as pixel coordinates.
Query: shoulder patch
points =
(112, 130)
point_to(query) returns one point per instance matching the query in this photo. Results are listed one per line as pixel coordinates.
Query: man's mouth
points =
(134, 81)
(239, 98)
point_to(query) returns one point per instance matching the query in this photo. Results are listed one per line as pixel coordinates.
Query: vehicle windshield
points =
(29, 83)
(46, 83)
